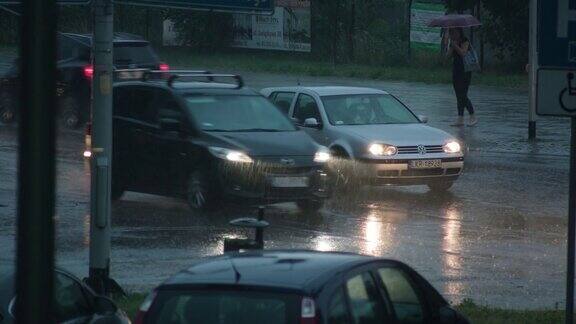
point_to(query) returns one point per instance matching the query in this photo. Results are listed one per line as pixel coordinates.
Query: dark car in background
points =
(75, 73)
(297, 287)
(74, 301)
(208, 139)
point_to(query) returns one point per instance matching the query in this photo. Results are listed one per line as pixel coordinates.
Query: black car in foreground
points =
(75, 73)
(297, 287)
(74, 301)
(200, 137)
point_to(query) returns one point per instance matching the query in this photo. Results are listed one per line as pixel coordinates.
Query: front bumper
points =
(399, 171)
(257, 183)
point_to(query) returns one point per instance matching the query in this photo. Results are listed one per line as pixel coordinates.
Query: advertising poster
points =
(288, 29)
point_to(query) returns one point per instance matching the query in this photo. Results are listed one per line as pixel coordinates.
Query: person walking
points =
(457, 48)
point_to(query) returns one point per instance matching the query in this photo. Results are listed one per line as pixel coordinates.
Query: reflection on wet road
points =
(498, 237)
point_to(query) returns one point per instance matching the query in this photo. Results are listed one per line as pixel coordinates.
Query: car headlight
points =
(382, 149)
(230, 155)
(452, 147)
(322, 156)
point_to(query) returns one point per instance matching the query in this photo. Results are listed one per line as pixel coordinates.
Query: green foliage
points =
(370, 31)
(207, 31)
(505, 27)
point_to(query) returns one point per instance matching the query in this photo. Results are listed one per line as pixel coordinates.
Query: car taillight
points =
(308, 315)
(89, 71)
(144, 308)
(164, 67)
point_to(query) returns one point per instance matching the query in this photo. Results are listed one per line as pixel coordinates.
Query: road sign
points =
(556, 94)
(219, 5)
(557, 33)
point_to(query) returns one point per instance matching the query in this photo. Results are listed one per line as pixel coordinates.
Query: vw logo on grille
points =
(288, 161)
(421, 149)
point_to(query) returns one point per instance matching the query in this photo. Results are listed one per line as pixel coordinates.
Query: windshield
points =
(134, 53)
(244, 307)
(237, 114)
(367, 110)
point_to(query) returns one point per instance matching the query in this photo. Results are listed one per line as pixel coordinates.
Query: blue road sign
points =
(557, 33)
(224, 5)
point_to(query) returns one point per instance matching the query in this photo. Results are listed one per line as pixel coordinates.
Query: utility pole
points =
(533, 68)
(101, 161)
(36, 165)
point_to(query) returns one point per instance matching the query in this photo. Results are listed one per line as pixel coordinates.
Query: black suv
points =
(75, 73)
(201, 137)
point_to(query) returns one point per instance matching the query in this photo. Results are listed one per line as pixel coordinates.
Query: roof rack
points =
(209, 78)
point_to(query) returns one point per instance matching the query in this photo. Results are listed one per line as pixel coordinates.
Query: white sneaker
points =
(459, 121)
(472, 121)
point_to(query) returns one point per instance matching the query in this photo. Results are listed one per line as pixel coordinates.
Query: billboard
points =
(288, 29)
(421, 14)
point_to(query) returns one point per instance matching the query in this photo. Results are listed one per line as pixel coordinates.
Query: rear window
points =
(225, 307)
(134, 53)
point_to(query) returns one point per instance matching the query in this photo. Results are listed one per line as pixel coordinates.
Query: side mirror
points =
(104, 305)
(423, 119)
(311, 122)
(170, 125)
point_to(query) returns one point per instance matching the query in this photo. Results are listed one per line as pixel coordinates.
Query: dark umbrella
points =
(453, 21)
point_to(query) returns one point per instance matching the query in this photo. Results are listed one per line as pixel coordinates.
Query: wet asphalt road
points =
(498, 238)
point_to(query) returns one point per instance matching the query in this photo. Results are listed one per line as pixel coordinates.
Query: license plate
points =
(130, 75)
(290, 182)
(426, 164)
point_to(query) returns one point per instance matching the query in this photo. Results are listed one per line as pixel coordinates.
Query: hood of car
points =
(399, 134)
(270, 144)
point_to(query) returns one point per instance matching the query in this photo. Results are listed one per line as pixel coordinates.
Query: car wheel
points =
(310, 205)
(70, 115)
(201, 192)
(7, 113)
(440, 186)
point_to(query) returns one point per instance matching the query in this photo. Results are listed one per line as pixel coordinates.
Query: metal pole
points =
(533, 40)
(571, 228)
(100, 224)
(36, 173)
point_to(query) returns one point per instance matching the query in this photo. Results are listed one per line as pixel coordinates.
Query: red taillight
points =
(164, 67)
(141, 315)
(89, 72)
(308, 315)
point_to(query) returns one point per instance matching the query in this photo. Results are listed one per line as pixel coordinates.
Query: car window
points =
(69, 48)
(126, 53)
(283, 100)
(225, 307)
(338, 310)
(136, 103)
(366, 304)
(402, 295)
(366, 110)
(229, 113)
(70, 299)
(305, 108)
(166, 106)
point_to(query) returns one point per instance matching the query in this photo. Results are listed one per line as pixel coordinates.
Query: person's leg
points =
(468, 104)
(457, 84)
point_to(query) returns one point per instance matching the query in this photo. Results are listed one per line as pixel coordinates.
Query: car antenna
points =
(237, 274)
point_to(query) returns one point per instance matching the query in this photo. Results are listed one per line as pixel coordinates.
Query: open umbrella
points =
(453, 21)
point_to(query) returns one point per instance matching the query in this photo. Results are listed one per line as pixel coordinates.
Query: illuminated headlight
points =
(452, 147)
(382, 149)
(230, 155)
(322, 156)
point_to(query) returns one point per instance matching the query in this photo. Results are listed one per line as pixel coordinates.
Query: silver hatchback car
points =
(387, 143)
